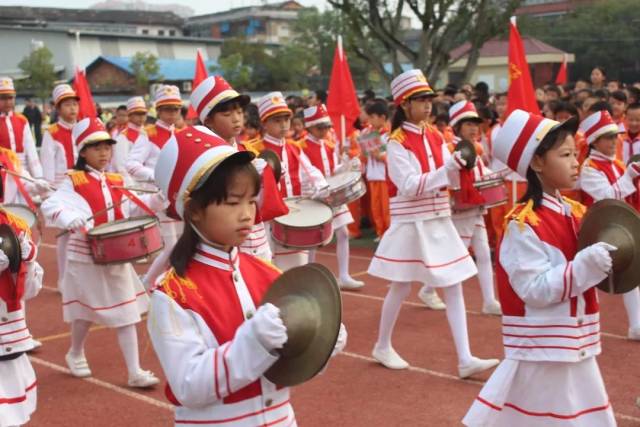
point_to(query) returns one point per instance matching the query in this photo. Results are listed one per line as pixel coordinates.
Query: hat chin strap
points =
(204, 239)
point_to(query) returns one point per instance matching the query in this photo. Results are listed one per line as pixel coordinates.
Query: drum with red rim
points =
(345, 188)
(306, 226)
(493, 191)
(125, 240)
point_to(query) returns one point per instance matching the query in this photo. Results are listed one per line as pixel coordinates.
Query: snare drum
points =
(344, 188)
(125, 240)
(28, 216)
(493, 191)
(306, 226)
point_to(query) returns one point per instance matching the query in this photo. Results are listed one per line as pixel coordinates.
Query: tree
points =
(38, 66)
(145, 69)
(600, 33)
(234, 71)
(443, 25)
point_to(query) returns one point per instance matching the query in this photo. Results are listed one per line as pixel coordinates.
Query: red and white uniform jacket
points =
(321, 154)
(630, 146)
(299, 176)
(419, 180)
(144, 153)
(16, 190)
(58, 153)
(15, 135)
(126, 139)
(213, 362)
(14, 289)
(548, 313)
(85, 194)
(603, 177)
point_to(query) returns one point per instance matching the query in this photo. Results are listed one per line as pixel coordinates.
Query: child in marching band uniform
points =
(631, 137)
(470, 224)
(299, 177)
(114, 295)
(220, 109)
(132, 133)
(421, 245)
(550, 307)
(18, 391)
(324, 156)
(213, 340)
(604, 177)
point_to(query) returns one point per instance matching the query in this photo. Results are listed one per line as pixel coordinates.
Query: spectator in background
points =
(614, 85)
(552, 93)
(34, 116)
(633, 95)
(120, 121)
(318, 97)
(618, 102)
(481, 93)
(598, 78)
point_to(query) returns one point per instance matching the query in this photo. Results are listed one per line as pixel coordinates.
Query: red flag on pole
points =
(81, 86)
(562, 78)
(342, 101)
(199, 75)
(521, 94)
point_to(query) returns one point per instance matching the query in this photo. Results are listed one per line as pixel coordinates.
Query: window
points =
(172, 32)
(145, 31)
(161, 32)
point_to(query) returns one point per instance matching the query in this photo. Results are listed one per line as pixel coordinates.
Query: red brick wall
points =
(105, 77)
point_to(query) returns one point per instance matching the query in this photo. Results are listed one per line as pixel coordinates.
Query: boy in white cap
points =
(133, 133)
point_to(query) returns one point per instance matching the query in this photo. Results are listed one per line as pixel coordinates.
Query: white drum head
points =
(121, 225)
(342, 180)
(23, 212)
(305, 213)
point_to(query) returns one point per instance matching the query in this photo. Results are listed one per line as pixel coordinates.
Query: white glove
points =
(268, 327)
(593, 264)
(25, 246)
(4, 261)
(321, 193)
(259, 164)
(455, 162)
(341, 343)
(633, 170)
(41, 185)
(76, 223)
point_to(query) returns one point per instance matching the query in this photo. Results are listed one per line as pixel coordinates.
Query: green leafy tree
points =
(234, 71)
(145, 69)
(38, 66)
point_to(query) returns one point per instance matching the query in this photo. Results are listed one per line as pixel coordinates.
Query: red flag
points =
(199, 75)
(81, 86)
(521, 94)
(342, 102)
(561, 78)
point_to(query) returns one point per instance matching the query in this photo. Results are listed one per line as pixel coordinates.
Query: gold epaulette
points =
(151, 130)
(398, 136)
(12, 156)
(577, 209)
(21, 117)
(78, 177)
(297, 142)
(171, 278)
(523, 213)
(112, 176)
(17, 222)
(53, 128)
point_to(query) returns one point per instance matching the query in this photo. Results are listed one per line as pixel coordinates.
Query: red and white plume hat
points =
(316, 115)
(598, 124)
(6, 86)
(62, 92)
(517, 140)
(167, 95)
(212, 91)
(136, 104)
(271, 104)
(463, 110)
(88, 131)
(409, 83)
(186, 161)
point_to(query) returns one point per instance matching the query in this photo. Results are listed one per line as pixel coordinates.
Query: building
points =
(544, 61)
(549, 8)
(269, 23)
(152, 23)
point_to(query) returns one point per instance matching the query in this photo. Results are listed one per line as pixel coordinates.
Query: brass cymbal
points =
(616, 223)
(468, 152)
(10, 245)
(311, 308)
(273, 160)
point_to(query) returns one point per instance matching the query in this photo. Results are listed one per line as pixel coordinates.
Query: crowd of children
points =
(216, 198)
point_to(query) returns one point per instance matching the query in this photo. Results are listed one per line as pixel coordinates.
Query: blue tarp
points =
(170, 69)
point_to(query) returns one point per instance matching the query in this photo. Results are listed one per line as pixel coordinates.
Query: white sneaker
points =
(476, 365)
(143, 379)
(493, 308)
(78, 366)
(431, 299)
(389, 358)
(634, 334)
(350, 283)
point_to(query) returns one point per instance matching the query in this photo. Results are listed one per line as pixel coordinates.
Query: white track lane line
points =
(105, 384)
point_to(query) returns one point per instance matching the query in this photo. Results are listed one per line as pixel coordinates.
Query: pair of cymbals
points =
(311, 308)
(272, 160)
(468, 152)
(10, 245)
(616, 223)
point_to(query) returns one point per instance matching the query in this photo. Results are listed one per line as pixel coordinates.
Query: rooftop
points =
(170, 69)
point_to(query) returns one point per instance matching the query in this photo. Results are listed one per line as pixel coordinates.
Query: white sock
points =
(312, 255)
(128, 340)
(79, 331)
(398, 291)
(457, 318)
(632, 305)
(342, 253)
(480, 243)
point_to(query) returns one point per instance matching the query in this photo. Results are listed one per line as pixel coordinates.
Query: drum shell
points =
(306, 236)
(117, 247)
(493, 191)
(346, 193)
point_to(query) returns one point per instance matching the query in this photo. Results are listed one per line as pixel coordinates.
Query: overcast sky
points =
(200, 7)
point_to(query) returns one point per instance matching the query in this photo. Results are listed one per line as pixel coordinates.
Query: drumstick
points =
(26, 178)
(100, 212)
(140, 190)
